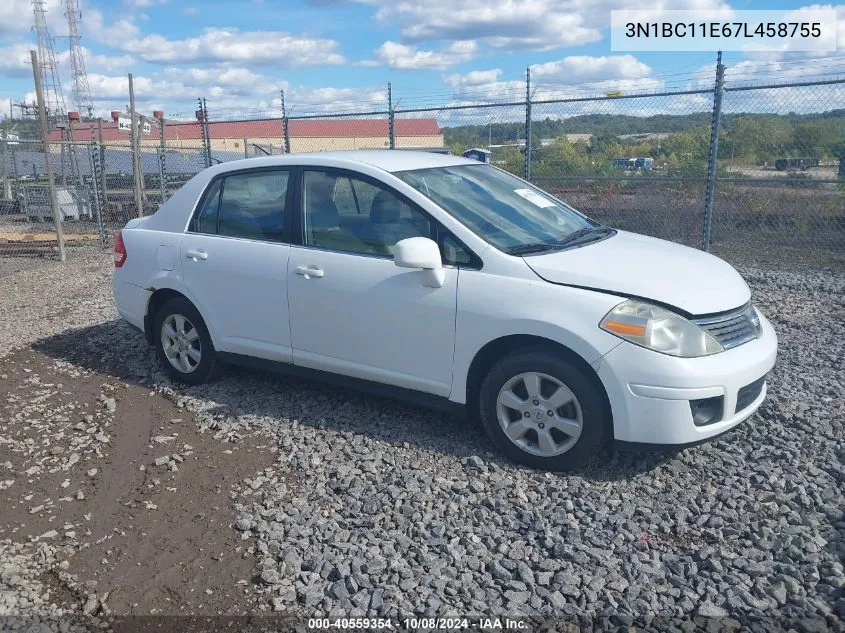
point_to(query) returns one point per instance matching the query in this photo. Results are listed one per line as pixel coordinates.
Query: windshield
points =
(505, 211)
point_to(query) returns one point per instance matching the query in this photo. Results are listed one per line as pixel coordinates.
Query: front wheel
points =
(183, 344)
(542, 410)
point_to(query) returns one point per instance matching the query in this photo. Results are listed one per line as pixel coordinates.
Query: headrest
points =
(324, 218)
(385, 208)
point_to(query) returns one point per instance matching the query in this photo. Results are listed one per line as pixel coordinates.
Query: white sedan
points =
(447, 282)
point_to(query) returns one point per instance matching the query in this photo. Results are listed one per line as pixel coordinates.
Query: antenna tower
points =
(52, 87)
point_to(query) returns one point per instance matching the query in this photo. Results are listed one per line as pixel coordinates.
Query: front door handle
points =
(196, 255)
(309, 271)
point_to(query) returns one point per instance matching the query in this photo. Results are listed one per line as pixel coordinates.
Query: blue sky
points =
(340, 54)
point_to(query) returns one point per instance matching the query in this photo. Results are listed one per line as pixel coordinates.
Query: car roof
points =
(385, 159)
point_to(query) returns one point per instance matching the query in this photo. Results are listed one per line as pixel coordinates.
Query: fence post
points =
(206, 126)
(102, 150)
(391, 118)
(7, 188)
(48, 167)
(74, 159)
(527, 168)
(162, 157)
(712, 158)
(62, 135)
(202, 116)
(94, 160)
(137, 170)
(285, 125)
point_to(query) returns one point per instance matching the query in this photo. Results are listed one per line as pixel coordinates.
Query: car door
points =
(234, 262)
(352, 311)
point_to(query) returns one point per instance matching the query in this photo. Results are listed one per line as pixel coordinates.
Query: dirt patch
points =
(118, 477)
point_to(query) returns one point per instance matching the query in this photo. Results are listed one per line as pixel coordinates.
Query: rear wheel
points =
(183, 344)
(542, 410)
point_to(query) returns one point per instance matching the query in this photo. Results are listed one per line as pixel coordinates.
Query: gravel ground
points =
(409, 512)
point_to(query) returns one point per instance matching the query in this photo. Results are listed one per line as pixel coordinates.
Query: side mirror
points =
(422, 253)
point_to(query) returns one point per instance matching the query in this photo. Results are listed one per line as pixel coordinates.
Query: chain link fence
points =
(642, 162)
(780, 190)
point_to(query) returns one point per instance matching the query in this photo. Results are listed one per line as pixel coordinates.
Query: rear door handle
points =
(196, 255)
(309, 271)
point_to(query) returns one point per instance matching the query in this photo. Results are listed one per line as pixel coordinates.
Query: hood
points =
(639, 266)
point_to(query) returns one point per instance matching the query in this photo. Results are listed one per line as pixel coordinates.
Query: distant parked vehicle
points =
(481, 155)
(10, 206)
(74, 203)
(452, 283)
(633, 163)
(785, 164)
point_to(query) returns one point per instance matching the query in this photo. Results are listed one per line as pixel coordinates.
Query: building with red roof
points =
(257, 136)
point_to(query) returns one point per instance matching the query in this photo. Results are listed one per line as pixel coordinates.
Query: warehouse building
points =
(261, 136)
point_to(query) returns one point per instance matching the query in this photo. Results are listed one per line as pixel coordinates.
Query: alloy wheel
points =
(539, 414)
(181, 343)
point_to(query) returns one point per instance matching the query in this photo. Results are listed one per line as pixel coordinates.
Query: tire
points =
(548, 437)
(194, 359)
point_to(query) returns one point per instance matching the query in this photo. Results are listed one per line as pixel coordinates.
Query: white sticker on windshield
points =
(534, 197)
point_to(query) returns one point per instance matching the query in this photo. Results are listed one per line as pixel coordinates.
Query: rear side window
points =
(253, 205)
(248, 205)
(205, 220)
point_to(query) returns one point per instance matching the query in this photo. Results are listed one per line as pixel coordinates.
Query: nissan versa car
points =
(447, 281)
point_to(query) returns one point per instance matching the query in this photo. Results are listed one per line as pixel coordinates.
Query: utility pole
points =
(391, 122)
(707, 228)
(137, 170)
(45, 140)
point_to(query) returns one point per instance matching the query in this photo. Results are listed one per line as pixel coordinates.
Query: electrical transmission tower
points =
(52, 87)
(81, 90)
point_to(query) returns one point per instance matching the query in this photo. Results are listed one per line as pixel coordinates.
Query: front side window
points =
(349, 214)
(505, 211)
(249, 205)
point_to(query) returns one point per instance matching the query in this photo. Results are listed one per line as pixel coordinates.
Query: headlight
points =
(660, 330)
(756, 325)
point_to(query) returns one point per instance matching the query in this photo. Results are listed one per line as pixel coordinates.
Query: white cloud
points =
(508, 24)
(404, 57)
(96, 61)
(16, 17)
(143, 3)
(580, 68)
(571, 76)
(4, 106)
(215, 45)
(15, 60)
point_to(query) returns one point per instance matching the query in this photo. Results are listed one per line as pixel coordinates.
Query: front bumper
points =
(650, 393)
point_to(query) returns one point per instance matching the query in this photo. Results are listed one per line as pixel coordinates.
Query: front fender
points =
(566, 316)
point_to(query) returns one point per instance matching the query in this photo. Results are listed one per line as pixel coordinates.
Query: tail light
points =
(119, 250)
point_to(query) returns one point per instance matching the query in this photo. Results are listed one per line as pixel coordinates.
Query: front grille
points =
(749, 393)
(731, 328)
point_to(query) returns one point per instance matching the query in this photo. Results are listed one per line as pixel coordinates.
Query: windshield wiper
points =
(593, 232)
(525, 249)
(580, 234)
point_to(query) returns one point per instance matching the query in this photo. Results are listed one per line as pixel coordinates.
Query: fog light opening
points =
(707, 410)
